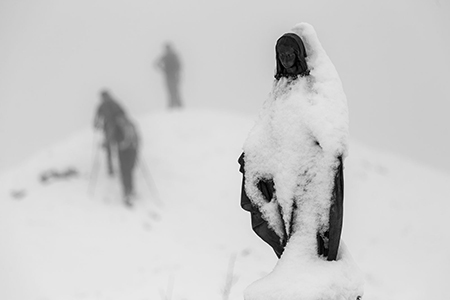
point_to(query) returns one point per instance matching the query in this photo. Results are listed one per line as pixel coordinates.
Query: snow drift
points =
(59, 243)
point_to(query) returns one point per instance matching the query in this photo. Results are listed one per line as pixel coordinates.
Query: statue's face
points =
(287, 56)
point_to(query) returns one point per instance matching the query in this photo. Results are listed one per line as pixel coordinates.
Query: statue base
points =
(296, 277)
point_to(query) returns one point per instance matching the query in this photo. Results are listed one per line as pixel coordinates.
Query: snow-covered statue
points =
(293, 176)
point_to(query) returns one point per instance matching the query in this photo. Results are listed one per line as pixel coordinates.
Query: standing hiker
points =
(128, 146)
(170, 65)
(105, 119)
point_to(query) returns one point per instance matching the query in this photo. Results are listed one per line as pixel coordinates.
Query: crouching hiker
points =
(128, 145)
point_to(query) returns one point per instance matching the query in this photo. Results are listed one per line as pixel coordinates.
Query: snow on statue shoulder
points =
(299, 142)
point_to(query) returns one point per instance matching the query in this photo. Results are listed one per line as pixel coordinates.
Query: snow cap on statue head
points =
(295, 42)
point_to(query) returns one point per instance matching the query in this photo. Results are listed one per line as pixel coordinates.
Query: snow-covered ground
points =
(187, 237)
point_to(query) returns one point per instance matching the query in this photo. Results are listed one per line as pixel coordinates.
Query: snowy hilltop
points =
(60, 242)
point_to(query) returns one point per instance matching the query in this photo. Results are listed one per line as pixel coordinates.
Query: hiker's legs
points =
(109, 141)
(174, 95)
(127, 160)
(109, 157)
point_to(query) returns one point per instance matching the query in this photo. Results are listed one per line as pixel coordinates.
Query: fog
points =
(56, 56)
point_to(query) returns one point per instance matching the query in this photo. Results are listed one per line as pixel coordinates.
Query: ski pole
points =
(149, 180)
(94, 170)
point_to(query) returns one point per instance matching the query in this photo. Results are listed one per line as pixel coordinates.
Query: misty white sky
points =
(392, 56)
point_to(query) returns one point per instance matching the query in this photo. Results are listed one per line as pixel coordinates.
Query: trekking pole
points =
(95, 167)
(149, 180)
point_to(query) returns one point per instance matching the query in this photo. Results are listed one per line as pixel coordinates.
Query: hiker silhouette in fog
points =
(106, 119)
(169, 63)
(128, 146)
(290, 65)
